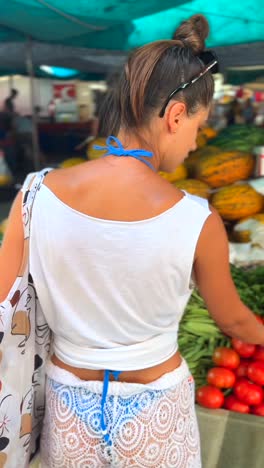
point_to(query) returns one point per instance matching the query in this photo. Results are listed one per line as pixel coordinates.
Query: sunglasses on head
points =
(211, 63)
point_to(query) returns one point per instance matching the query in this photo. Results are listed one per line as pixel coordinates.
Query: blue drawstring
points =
(119, 150)
(107, 374)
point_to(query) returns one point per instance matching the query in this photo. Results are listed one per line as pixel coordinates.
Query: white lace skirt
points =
(151, 425)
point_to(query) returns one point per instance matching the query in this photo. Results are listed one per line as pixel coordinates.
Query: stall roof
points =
(124, 24)
(90, 63)
(241, 75)
(93, 64)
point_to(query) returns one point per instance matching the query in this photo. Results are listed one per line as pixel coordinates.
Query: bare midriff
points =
(142, 376)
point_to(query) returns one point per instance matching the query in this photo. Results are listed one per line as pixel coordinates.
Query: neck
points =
(140, 140)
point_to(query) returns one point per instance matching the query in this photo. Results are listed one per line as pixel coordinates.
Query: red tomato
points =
(258, 410)
(259, 353)
(210, 397)
(226, 357)
(241, 371)
(255, 372)
(221, 378)
(247, 392)
(259, 319)
(232, 404)
(244, 350)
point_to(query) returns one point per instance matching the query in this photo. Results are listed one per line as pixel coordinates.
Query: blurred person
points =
(234, 113)
(249, 112)
(9, 105)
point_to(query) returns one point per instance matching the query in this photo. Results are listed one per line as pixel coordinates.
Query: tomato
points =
(259, 319)
(241, 371)
(255, 372)
(244, 350)
(258, 410)
(210, 397)
(233, 404)
(259, 353)
(248, 392)
(221, 378)
(226, 357)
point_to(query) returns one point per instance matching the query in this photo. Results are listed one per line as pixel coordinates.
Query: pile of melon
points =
(222, 176)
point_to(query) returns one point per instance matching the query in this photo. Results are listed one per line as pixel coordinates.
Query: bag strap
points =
(30, 188)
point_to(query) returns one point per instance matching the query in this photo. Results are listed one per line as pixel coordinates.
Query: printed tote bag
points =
(24, 347)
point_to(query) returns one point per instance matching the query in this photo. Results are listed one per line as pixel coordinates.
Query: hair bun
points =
(193, 33)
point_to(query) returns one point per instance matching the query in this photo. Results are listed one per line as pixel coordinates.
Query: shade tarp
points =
(90, 64)
(124, 24)
(241, 75)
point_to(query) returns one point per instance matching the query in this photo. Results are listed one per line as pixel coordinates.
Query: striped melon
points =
(201, 140)
(93, 153)
(224, 168)
(5, 179)
(3, 225)
(209, 132)
(194, 187)
(179, 174)
(195, 157)
(71, 162)
(235, 202)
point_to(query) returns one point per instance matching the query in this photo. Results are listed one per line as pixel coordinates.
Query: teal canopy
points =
(124, 24)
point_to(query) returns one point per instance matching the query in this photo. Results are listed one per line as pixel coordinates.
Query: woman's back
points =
(120, 189)
(121, 282)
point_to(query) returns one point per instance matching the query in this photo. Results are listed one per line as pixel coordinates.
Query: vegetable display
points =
(244, 229)
(231, 375)
(225, 164)
(207, 349)
(239, 138)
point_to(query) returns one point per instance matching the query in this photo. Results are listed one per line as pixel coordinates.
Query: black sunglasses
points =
(211, 63)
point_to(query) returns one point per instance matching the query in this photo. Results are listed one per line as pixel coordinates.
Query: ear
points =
(175, 115)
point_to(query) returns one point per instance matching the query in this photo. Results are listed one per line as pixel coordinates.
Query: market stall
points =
(226, 169)
(230, 440)
(62, 138)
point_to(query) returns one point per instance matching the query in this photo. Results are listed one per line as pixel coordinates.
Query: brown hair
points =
(152, 72)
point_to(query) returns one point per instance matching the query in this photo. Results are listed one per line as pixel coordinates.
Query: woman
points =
(113, 249)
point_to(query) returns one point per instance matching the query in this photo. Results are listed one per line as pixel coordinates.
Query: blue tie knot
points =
(117, 149)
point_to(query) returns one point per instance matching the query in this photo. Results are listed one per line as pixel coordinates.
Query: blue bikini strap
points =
(104, 430)
(119, 150)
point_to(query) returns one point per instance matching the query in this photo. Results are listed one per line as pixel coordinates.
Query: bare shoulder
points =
(70, 176)
(91, 172)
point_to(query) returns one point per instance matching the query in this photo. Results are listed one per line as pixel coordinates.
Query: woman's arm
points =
(213, 278)
(11, 251)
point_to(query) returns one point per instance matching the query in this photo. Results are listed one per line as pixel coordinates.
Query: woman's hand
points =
(213, 278)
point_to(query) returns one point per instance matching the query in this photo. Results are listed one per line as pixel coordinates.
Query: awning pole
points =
(11, 83)
(35, 140)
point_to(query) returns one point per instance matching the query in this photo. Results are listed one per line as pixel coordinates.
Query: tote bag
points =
(25, 340)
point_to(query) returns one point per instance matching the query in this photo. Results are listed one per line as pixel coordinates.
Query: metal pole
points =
(11, 83)
(35, 140)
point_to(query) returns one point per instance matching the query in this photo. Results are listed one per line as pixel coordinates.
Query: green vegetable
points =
(198, 333)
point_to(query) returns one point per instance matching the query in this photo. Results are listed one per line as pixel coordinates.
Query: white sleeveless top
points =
(113, 292)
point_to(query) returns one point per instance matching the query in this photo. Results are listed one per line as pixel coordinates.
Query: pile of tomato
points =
(236, 382)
